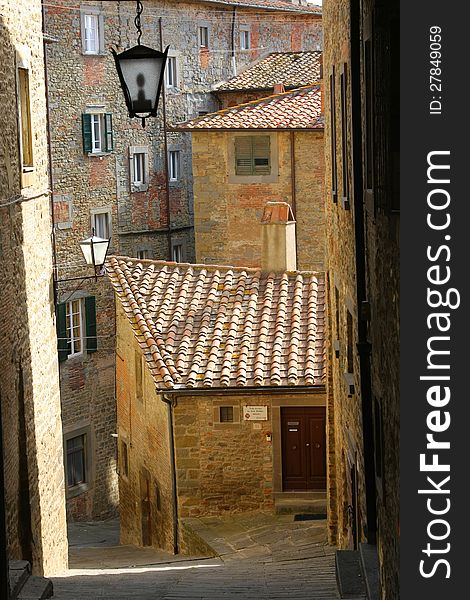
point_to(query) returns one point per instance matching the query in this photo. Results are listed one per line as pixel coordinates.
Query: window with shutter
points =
(90, 322)
(252, 155)
(86, 132)
(61, 325)
(108, 131)
(97, 131)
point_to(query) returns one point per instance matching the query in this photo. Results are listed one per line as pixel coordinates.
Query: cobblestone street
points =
(259, 557)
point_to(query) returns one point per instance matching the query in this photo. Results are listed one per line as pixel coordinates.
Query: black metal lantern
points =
(140, 71)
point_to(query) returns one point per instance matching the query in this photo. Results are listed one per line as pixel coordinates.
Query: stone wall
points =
(228, 215)
(143, 427)
(29, 384)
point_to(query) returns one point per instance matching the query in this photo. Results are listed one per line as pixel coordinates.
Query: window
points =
(226, 414)
(334, 172)
(101, 223)
(350, 353)
(174, 165)
(124, 459)
(97, 132)
(76, 460)
(76, 327)
(170, 72)
(244, 39)
(92, 28)
(344, 137)
(25, 120)
(139, 167)
(142, 254)
(204, 37)
(177, 253)
(252, 155)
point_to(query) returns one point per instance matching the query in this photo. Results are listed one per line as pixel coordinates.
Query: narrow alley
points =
(258, 556)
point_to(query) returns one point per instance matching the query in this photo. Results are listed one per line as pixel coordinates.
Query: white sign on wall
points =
(255, 413)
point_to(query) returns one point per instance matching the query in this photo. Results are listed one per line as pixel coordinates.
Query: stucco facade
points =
(29, 381)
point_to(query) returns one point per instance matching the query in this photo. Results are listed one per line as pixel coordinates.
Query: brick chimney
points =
(278, 238)
(279, 88)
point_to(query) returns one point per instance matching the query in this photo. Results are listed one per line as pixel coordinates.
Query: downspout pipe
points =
(293, 186)
(363, 346)
(170, 401)
(234, 61)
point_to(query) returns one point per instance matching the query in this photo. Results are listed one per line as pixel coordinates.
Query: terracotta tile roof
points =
(203, 326)
(297, 109)
(292, 69)
(283, 5)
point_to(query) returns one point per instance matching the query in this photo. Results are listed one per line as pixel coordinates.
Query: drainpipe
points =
(234, 61)
(292, 180)
(171, 402)
(4, 580)
(165, 149)
(363, 346)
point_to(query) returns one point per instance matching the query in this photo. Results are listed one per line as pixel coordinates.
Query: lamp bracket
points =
(138, 26)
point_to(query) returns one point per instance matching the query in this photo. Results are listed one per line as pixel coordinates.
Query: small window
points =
(76, 460)
(97, 131)
(124, 459)
(25, 120)
(101, 223)
(174, 165)
(75, 327)
(226, 414)
(245, 39)
(334, 171)
(142, 254)
(170, 72)
(139, 168)
(350, 352)
(92, 26)
(344, 137)
(204, 37)
(252, 155)
(177, 253)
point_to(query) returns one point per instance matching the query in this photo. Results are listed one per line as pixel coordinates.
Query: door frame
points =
(315, 397)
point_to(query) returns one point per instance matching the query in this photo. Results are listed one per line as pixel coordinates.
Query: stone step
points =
(19, 571)
(370, 570)
(296, 505)
(36, 588)
(349, 575)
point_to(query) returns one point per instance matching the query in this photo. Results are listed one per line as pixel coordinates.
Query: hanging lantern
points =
(140, 71)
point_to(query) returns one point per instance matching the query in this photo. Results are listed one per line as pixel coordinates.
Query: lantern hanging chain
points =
(139, 10)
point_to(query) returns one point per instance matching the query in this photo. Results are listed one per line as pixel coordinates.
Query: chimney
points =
(278, 238)
(279, 88)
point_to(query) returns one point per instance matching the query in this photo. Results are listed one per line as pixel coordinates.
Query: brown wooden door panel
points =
(303, 448)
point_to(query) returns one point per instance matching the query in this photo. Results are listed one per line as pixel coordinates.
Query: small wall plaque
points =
(255, 413)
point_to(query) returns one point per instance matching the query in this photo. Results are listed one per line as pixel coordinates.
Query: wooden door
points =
(303, 448)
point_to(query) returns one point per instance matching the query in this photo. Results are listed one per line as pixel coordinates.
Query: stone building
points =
(361, 58)
(32, 492)
(221, 394)
(131, 184)
(269, 149)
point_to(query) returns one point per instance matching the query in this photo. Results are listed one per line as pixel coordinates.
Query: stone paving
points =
(260, 557)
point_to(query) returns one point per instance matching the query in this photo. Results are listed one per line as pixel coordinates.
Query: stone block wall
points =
(143, 426)
(228, 215)
(29, 383)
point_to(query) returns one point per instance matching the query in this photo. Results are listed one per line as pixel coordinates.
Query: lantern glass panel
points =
(142, 77)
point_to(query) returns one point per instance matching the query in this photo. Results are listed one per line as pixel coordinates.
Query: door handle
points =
(317, 445)
(307, 445)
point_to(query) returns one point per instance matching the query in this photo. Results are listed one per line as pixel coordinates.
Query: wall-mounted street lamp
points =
(140, 71)
(94, 250)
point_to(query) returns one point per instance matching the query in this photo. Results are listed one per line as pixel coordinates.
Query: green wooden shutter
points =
(261, 155)
(86, 132)
(108, 131)
(243, 155)
(61, 325)
(90, 322)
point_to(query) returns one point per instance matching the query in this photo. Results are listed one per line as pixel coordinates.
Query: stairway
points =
(24, 586)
